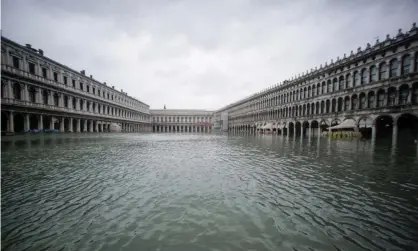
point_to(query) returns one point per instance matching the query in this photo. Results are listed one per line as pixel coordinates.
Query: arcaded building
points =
(40, 93)
(375, 87)
(176, 120)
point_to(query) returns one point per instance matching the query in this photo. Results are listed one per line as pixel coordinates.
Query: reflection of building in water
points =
(169, 120)
(39, 93)
(376, 87)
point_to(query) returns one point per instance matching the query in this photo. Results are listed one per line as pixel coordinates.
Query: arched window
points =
(329, 86)
(393, 68)
(348, 81)
(373, 73)
(363, 77)
(383, 71)
(74, 103)
(355, 78)
(406, 64)
(323, 87)
(313, 91)
(65, 101)
(341, 83)
(335, 84)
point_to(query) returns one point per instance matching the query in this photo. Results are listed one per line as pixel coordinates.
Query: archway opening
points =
(384, 126)
(298, 128)
(19, 123)
(305, 127)
(67, 124)
(33, 121)
(291, 128)
(365, 127)
(407, 127)
(57, 124)
(46, 121)
(314, 127)
(4, 122)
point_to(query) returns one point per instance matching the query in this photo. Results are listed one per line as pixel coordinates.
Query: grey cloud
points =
(200, 54)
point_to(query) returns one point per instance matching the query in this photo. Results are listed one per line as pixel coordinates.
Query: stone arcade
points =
(39, 93)
(375, 87)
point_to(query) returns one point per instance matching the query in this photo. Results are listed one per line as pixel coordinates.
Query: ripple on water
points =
(206, 192)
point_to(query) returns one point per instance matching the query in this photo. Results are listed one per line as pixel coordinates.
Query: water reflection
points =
(207, 192)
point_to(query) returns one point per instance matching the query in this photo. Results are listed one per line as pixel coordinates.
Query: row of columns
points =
(73, 124)
(158, 128)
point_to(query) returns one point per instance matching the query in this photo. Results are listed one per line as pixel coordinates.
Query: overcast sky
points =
(200, 54)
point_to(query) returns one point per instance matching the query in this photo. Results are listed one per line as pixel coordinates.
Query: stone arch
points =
(57, 123)
(383, 125)
(314, 126)
(291, 128)
(362, 101)
(341, 83)
(327, 106)
(4, 121)
(298, 128)
(407, 125)
(33, 121)
(347, 103)
(19, 122)
(305, 127)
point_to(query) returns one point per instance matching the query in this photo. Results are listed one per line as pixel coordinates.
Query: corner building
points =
(39, 93)
(375, 87)
(189, 121)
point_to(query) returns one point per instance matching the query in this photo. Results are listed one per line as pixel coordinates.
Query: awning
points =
(346, 124)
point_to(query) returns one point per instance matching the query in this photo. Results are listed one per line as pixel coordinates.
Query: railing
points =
(67, 87)
(28, 104)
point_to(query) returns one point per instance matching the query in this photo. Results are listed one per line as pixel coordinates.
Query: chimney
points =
(91, 76)
(113, 87)
(41, 52)
(28, 46)
(83, 72)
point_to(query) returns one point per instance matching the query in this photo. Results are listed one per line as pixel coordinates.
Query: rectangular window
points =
(98, 92)
(55, 77)
(73, 83)
(31, 68)
(94, 90)
(88, 88)
(81, 86)
(44, 75)
(16, 62)
(65, 80)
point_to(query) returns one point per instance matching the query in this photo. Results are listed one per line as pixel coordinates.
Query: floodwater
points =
(207, 192)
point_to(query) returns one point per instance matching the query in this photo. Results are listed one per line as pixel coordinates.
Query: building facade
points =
(374, 87)
(38, 93)
(170, 120)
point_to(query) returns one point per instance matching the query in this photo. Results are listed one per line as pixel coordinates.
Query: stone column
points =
(77, 104)
(91, 126)
(51, 123)
(11, 122)
(9, 89)
(27, 123)
(70, 126)
(78, 125)
(25, 93)
(85, 125)
(62, 128)
(96, 126)
(40, 122)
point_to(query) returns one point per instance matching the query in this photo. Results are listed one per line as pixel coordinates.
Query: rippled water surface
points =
(207, 192)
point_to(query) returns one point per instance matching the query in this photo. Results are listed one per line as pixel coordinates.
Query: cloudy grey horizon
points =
(196, 54)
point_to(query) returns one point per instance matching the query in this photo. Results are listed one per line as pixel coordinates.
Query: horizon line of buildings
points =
(380, 81)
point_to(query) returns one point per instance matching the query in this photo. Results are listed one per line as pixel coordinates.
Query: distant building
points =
(181, 120)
